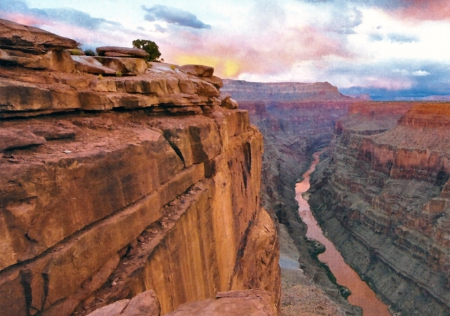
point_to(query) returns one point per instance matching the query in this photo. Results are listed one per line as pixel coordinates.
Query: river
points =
(361, 295)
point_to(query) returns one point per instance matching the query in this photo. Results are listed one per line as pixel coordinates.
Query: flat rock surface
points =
(236, 303)
(31, 39)
(197, 70)
(116, 51)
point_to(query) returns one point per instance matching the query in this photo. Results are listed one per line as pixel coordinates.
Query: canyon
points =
(129, 185)
(293, 131)
(379, 193)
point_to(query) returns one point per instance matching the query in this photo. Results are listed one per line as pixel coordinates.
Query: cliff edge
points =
(120, 176)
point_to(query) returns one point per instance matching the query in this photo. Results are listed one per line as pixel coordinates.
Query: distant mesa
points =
(364, 96)
(282, 91)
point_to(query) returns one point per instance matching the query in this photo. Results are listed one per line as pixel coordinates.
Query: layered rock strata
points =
(114, 186)
(282, 91)
(382, 197)
(293, 131)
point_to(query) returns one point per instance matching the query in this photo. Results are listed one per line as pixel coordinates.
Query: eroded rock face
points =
(197, 70)
(31, 39)
(99, 205)
(282, 91)
(293, 131)
(382, 197)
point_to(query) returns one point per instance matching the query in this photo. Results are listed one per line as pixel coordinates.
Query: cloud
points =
(421, 73)
(407, 9)
(41, 17)
(159, 28)
(173, 16)
(375, 37)
(75, 17)
(344, 21)
(415, 83)
(392, 37)
(400, 38)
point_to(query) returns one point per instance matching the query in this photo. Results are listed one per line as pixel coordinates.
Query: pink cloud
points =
(272, 52)
(425, 9)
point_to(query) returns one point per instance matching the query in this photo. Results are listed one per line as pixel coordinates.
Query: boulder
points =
(115, 51)
(216, 81)
(247, 302)
(197, 70)
(145, 303)
(124, 65)
(12, 138)
(31, 39)
(91, 65)
(113, 309)
(229, 103)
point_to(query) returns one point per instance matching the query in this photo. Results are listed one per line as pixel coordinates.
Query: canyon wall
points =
(293, 131)
(119, 177)
(382, 195)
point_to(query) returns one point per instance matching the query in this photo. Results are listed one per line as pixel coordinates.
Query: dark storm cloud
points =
(173, 16)
(68, 16)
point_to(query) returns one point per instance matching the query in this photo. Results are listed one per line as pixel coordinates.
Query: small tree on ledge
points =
(150, 47)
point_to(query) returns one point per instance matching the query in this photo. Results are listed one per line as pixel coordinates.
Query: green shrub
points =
(76, 52)
(150, 47)
(89, 52)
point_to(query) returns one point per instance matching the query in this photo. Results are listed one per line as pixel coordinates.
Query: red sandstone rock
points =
(124, 51)
(123, 65)
(385, 191)
(229, 103)
(236, 303)
(31, 39)
(197, 70)
(90, 65)
(145, 303)
(114, 309)
(15, 138)
(165, 197)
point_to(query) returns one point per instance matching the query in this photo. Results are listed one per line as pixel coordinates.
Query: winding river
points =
(361, 295)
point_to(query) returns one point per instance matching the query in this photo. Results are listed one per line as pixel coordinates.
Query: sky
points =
(389, 49)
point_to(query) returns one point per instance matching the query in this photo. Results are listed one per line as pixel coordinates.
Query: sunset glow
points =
(357, 45)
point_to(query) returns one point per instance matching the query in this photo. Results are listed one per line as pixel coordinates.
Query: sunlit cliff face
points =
(357, 43)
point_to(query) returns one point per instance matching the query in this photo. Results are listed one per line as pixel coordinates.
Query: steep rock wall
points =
(117, 185)
(293, 131)
(382, 197)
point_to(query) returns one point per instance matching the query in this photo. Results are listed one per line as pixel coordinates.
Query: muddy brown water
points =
(361, 295)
